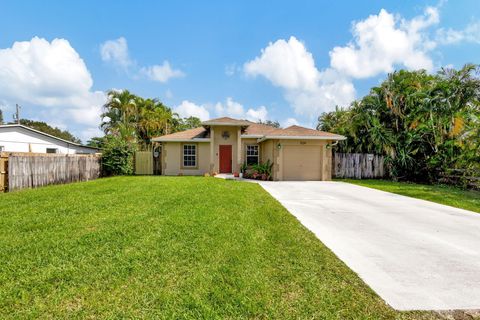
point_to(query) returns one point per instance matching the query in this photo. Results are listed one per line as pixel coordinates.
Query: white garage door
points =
(302, 163)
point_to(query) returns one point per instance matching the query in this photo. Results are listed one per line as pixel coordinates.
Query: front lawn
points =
(448, 195)
(179, 247)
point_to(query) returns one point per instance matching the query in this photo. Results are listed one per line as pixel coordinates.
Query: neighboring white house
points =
(19, 138)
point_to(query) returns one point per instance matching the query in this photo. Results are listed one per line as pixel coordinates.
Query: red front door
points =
(225, 158)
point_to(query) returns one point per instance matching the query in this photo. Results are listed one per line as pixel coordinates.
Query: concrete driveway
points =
(417, 255)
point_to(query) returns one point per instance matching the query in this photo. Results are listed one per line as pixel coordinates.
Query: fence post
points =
(3, 173)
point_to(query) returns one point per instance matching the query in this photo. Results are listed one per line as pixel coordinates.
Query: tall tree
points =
(424, 124)
(154, 119)
(46, 128)
(120, 114)
(186, 123)
(96, 142)
(137, 120)
(270, 123)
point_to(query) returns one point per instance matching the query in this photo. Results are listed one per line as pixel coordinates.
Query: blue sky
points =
(284, 61)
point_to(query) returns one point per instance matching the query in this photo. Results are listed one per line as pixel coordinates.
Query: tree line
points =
(424, 124)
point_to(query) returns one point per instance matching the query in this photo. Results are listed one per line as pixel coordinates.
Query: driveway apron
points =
(415, 254)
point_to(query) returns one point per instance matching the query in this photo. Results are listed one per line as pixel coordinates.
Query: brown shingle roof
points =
(251, 129)
(196, 133)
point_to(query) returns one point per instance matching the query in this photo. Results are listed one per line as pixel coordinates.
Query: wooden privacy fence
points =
(30, 170)
(143, 162)
(358, 165)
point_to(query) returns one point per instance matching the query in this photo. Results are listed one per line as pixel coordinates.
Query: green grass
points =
(448, 195)
(180, 247)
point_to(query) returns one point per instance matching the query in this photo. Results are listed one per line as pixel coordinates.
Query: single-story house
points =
(19, 138)
(222, 145)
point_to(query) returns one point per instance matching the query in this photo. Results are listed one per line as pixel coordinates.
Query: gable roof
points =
(46, 135)
(251, 130)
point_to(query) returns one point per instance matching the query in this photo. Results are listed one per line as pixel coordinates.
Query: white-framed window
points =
(252, 154)
(189, 155)
(52, 150)
(2, 148)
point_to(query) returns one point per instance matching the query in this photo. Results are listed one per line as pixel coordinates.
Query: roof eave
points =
(251, 136)
(336, 138)
(180, 140)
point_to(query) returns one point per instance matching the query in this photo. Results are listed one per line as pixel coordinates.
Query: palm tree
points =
(120, 114)
(422, 123)
(153, 120)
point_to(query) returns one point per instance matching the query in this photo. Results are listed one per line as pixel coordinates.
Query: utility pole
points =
(16, 116)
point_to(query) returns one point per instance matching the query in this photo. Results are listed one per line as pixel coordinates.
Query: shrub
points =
(262, 171)
(117, 157)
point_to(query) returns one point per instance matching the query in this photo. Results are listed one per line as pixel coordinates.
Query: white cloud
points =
(189, 109)
(89, 133)
(4, 107)
(294, 122)
(382, 41)
(288, 64)
(229, 108)
(90, 109)
(235, 109)
(116, 52)
(259, 114)
(52, 77)
(471, 33)
(43, 72)
(289, 122)
(162, 73)
(333, 89)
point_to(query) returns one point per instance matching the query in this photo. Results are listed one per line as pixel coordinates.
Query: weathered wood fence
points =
(144, 162)
(27, 170)
(358, 165)
(461, 177)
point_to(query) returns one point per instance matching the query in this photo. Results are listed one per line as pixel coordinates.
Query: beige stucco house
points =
(222, 145)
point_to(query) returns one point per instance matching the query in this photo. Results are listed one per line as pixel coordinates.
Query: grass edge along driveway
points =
(170, 247)
(447, 195)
